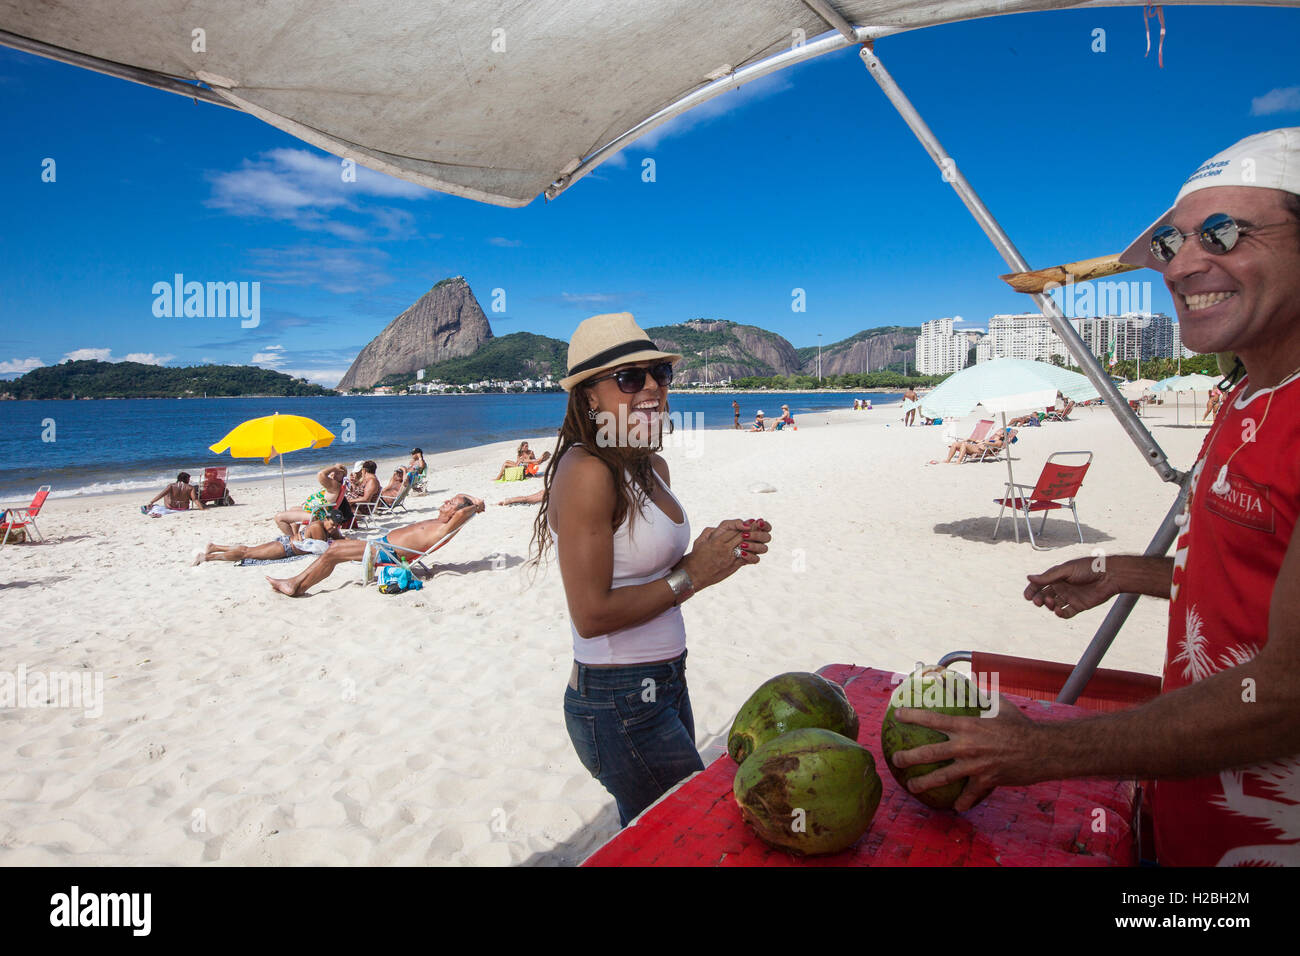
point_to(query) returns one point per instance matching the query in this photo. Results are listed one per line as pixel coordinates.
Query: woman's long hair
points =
(630, 496)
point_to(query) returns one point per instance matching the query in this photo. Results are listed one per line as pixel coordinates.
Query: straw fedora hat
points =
(607, 341)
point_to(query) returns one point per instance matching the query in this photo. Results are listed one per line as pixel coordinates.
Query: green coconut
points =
(789, 702)
(811, 791)
(941, 691)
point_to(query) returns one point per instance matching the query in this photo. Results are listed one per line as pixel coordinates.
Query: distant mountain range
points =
(446, 333)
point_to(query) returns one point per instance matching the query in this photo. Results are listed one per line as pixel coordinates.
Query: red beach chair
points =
(1056, 488)
(19, 519)
(213, 490)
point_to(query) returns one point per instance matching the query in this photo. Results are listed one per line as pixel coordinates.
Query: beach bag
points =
(17, 535)
(396, 578)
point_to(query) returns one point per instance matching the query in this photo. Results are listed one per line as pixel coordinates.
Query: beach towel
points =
(515, 473)
(254, 562)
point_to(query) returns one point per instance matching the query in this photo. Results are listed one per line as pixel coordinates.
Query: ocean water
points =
(100, 446)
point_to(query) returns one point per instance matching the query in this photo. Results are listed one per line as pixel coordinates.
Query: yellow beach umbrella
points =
(273, 435)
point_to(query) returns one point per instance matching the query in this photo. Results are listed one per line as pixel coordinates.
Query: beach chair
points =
(15, 521)
(417, 480)
(213, 490)
(989, 453)
(981, 430)
(384, 506)
(1056, 488)
(369, 562)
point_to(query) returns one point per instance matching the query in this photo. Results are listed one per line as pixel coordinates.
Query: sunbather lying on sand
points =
(534, 499)
(405, 542)
(313, 538)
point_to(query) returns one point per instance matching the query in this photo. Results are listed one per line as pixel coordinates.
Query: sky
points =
(805, 180)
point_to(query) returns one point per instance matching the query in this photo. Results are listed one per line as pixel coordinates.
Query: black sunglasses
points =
(1218, 234)
(632, 380)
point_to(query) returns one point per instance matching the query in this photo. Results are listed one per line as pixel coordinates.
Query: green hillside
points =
(87, 379)
(519, 355)
(810, 351)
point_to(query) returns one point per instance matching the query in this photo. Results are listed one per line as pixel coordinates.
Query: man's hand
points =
(991, 751)
(1069, 588)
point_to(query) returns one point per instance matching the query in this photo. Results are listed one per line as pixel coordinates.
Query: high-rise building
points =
(939, 350)
(1026, 335)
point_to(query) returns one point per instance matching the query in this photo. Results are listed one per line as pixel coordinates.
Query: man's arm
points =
(1242, 715)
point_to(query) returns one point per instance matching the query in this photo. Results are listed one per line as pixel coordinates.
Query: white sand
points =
(351, 727)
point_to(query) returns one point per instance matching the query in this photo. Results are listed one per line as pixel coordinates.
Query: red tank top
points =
(1227, 561)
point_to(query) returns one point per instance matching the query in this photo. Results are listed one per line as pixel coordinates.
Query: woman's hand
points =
(1069, 588)
(714, 559)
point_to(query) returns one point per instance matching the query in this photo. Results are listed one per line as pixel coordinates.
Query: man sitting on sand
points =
(177, 495)
(760, 424)
(406, 542)
(314, 538)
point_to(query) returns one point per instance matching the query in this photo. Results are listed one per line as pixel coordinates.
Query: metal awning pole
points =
(1119, 611)
(159, 81)
(1147, 444)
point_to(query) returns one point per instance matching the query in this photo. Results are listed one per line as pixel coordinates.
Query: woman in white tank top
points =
(622, 540)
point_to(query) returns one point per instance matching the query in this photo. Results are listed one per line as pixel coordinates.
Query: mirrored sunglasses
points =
(1218, 235)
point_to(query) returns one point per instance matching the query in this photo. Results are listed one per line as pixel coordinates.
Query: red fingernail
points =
(745, 535)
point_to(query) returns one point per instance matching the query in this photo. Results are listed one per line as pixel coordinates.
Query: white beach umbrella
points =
(1185, 383)
(1005, 385)
(1137, 389)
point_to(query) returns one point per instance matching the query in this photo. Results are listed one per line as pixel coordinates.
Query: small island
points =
(91, 379)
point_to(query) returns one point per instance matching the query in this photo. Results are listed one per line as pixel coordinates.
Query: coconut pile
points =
(805, 785)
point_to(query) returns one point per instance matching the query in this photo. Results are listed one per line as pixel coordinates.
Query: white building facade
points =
(939, 350)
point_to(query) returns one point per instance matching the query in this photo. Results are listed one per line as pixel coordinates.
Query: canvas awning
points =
(493, 100)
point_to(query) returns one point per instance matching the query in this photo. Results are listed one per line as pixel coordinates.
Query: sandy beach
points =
(351, 727)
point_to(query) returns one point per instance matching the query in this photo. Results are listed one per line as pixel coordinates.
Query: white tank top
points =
(642, 554)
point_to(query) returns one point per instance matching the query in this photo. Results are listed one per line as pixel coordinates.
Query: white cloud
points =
(590, 298)
(328, 377)
(272, 358)
(505, 243)
(106, 355)
(711, 109)
(1281, 100)
(94, 355)
(307, 190)
(20, 366)
(334, 270)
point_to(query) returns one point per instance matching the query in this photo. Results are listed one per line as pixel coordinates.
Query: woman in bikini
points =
(622, 539)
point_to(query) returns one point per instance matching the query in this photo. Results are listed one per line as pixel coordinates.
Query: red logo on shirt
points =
(1246, 504)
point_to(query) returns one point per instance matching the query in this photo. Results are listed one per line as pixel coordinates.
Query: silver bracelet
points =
(681, 584)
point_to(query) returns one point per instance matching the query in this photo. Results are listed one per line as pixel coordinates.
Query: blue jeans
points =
(633, 730)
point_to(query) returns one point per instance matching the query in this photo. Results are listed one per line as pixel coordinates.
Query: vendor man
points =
(1223, 737)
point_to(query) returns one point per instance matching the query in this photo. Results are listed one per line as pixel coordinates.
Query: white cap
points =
(358, 466)
(1268, 160)
(760, 411)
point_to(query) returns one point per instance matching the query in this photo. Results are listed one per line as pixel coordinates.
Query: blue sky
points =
(804, 180)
